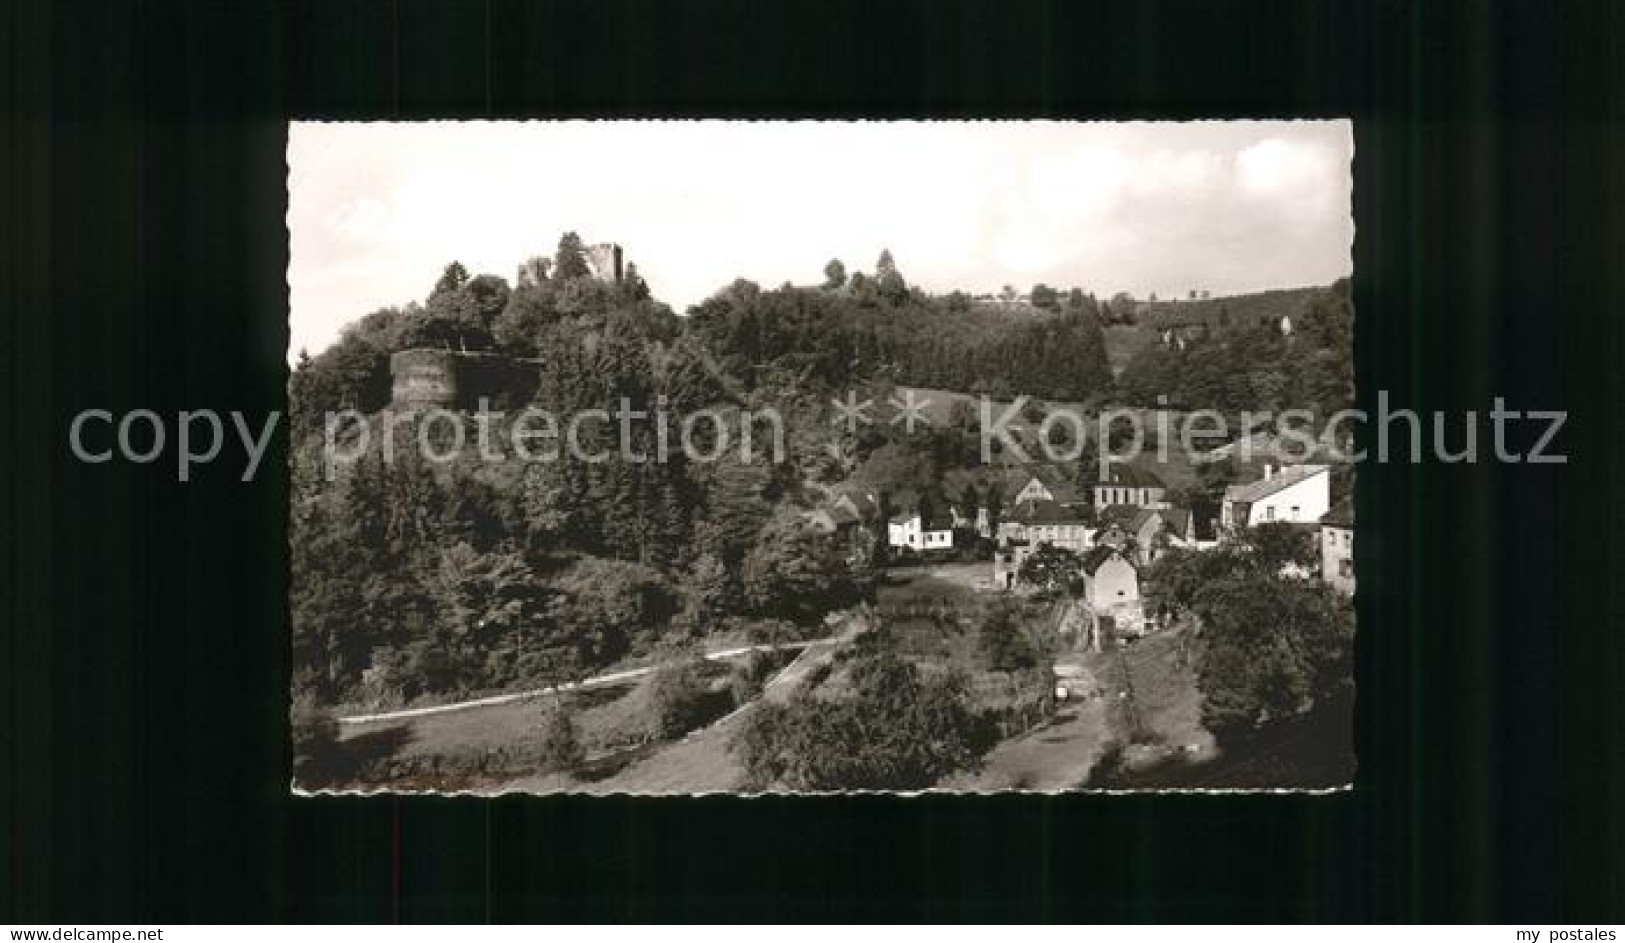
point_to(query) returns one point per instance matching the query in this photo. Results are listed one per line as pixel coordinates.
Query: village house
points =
(1047, 486)
(1111, 587)
(853, 519)
(971, 513)
(1297, 494)
(1047, 522)
(1154, 530)
(915, 531)
(1337, 546)
(1126, 484)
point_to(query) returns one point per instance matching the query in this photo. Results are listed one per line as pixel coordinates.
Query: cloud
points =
(375, 210)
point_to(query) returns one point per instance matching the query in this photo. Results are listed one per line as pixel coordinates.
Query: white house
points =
(1111, 586)
(1297, 494)
(913, 531)
(1046, 522)
(1110, 581)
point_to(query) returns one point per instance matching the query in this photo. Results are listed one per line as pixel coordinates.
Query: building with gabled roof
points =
(1153, 530)
(1128, 484)
(1337, 546)
(1296, 494)
(1047, 522)
(917, 531)
(1111, 585)
(1044, 484)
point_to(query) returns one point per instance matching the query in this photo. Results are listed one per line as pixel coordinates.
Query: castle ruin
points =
(427, 377)
(604, 260)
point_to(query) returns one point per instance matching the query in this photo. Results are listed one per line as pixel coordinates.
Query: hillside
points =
(1241, 309)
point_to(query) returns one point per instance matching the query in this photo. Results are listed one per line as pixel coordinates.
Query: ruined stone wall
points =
(605, 261)
(449, 379)
(424, 377)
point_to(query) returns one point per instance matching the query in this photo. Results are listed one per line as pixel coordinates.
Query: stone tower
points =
(604, 259)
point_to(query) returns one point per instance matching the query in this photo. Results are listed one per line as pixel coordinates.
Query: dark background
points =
(144, 765)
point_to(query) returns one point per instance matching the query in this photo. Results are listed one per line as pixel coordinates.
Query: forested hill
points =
(1243, 360)
(1231, 310)
(835, 334)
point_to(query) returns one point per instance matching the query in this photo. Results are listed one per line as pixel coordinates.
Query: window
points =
(1345, 568)
(1269, 513)
(1294, 512)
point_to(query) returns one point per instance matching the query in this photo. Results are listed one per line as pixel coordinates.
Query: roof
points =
(1123, 475)
(1340, 516)
(1047, 512)
(1059, 487)
(1095, 556)
(1121, 514)
(856, 501)
(1264, 487)
(926, 523)
(1177, 519)
(843, 514)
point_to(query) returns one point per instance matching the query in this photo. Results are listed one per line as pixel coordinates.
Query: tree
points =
(894, 728)
(863, 290)
(608, 605)
(1051, 568)
(834, 275)
(889, 281)
(351, 374)
(1044, 297)
(1271, 648)
(679, 700)
(453, 277)
(1003, 642)
(795, 573)
(633, 284)
(561, 748)
(490, 296)
(1277, 546)
(570, 260)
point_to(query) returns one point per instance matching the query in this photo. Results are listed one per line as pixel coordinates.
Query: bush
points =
(315, 734)
(746, 681)
(561, 747)
(897, 729)
(680, 700)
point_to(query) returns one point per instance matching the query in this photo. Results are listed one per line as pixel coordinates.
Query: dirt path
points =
(614, 677)
(1056, 757)
(703, 761)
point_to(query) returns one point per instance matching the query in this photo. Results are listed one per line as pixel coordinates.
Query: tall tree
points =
(888, 280)
(834, 275)
(453, 277)
(570, 261)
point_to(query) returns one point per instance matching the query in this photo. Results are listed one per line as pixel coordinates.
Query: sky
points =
(376, 210)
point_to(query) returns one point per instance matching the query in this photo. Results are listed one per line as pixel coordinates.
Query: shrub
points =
(746, 681)
(896, 729)
(561, 747)
(315, 735)
(680, 700)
